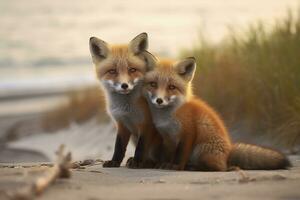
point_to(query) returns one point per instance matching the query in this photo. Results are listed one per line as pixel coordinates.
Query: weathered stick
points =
(61, 169)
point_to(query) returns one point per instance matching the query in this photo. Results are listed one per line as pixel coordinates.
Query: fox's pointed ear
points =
(186, 68)
(98, 48)
(139, 43)
(149, 59)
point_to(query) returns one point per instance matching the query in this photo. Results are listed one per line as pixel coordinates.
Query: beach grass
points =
(253, 79)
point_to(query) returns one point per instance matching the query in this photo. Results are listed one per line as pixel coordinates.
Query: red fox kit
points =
(121, 70)
(194, 136)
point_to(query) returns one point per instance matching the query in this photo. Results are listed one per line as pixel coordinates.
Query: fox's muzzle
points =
(160, 100)
(123, 87)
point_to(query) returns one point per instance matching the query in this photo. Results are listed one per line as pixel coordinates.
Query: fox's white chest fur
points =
(165, 123)
(124, 108)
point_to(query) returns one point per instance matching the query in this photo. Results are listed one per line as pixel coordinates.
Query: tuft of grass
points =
(253, 79)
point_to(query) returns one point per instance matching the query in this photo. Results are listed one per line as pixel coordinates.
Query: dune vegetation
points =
(253, 79)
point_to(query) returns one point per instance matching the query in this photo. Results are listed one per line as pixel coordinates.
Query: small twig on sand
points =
(61, 169)
(244, 178)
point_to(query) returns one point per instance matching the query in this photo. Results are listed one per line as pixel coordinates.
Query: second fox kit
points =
(194, 135)
(121, 70)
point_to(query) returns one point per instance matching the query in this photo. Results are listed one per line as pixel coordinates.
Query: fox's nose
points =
(124, 86)
(159, 101)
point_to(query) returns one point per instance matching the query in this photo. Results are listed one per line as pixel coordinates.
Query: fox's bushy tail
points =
(252, 157)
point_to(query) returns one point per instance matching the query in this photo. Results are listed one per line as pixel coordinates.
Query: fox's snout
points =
(123, 87)
(161, 100)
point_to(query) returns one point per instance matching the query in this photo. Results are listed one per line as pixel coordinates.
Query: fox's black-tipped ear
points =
(149, 59)
(186, 68)
(98, 49)
(139, 43)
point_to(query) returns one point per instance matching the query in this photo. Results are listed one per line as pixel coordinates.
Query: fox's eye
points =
(112, 71)
(132, 70)
(172, 87)
(153, 84)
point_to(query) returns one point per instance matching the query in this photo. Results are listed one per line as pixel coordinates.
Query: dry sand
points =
(94, 182)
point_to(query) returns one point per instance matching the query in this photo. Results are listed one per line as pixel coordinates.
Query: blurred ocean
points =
(44, 44)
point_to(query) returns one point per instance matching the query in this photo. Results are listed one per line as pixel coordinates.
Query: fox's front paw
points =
(149, 164)
(175, 167)
(169, 166)
(111, 163)
(165, 165)
(132, 163)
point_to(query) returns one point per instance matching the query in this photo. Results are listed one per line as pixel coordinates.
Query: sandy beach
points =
(93, 182)
(44, 55)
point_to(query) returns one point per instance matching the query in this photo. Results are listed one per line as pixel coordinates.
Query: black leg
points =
(178, 153)
(138, 154)
(136, 161)
(161, 154)
(120, 150)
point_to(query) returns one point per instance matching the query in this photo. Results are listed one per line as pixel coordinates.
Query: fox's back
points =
(198, 117)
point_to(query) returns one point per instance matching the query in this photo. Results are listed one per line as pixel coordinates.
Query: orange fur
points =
(202, 126)
(203, 140)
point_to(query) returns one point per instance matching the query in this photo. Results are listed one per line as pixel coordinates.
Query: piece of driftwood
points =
(61, 169)
(244, 178)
